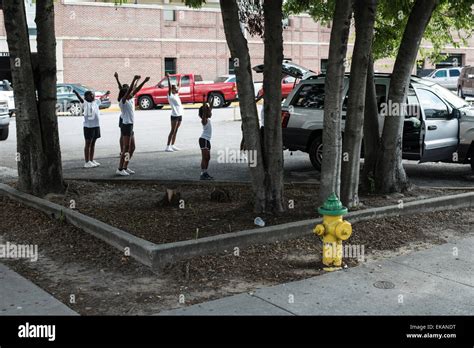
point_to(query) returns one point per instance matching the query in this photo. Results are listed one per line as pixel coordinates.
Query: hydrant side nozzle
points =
(319, 230)
(343, 230)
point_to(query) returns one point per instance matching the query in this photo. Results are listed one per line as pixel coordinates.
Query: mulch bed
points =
(105, 281)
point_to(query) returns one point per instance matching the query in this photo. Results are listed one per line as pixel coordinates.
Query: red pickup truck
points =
(191, 90)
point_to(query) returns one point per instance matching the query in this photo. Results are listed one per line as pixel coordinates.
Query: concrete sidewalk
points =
(19, 296)
(437, 281)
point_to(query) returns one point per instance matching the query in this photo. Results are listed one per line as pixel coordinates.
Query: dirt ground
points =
(135, 207)
(104, 282)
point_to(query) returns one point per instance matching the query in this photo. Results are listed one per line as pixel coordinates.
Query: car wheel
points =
(460, 92)
(146, 103)
(218, 100)
(3, 134)
(316, 153)
(75, 109)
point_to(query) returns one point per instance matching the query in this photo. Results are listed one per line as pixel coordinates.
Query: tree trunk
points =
(364, 14)
(371, 131)
(46, 44)
(248, 109)
(31, 174)
(273, 143)
(334, 87)
(390, 174)
(39, 157)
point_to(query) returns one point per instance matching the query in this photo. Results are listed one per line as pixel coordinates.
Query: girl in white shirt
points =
(177, 112)
(205, 113)
(127, 108)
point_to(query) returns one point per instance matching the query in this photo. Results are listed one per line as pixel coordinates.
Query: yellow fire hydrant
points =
(333, 231)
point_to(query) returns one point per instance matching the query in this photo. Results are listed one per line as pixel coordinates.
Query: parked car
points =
(4, 118)
(226, 78)
(191, 90)
(466, 82)
(292, 73)
(438, 123)
(68, 102)
(6, 92)
(446, 77)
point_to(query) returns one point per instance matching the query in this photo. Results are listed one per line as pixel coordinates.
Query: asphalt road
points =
(151, 162)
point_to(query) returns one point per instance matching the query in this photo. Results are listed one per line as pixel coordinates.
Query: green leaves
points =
(451, 24)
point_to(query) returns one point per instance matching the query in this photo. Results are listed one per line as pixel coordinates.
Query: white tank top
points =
(207, 130)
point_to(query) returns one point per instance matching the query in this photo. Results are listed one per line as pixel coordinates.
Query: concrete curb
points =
(140, 249)
(157, 256)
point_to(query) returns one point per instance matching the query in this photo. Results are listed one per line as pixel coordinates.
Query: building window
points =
(169, 15)
(170, 65)
(324, 65)
(231, 66)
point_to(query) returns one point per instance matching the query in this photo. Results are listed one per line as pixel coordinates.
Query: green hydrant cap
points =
(332, 206)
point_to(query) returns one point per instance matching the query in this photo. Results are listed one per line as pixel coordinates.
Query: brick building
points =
(149, 37)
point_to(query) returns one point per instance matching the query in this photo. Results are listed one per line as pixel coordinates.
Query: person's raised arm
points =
(118, 81)
(140, 86)
(130, 89)
(78, 96)
(169, 83)
(211, 103)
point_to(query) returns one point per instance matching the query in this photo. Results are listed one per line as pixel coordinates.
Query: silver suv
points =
(4, 119)
(439, 126)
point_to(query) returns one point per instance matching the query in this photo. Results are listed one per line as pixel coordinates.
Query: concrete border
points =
(156, 256)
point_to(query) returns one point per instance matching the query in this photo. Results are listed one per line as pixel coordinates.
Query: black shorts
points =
(204, 144)
(91, 133)
(127, 130)
(176, 118)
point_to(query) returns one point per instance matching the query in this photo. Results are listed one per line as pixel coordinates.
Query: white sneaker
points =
(169, 149)
(175, 148)
(129, 171)
(122, 172)
(89, 165)
(95, 163)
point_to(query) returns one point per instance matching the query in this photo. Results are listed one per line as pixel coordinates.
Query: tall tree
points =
(46, 86)
(334, 88)
(273, 58)
(266, 21)
(390, 174)
(248, 109)
(38, 157)
(364, 15)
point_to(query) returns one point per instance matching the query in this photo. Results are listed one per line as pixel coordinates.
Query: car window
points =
(164, 83)
(63, 90)
(440, 73)
(289, 79)
(220, 79)
(185, 81)
(232, 79)
(197, 78)
(454, 73)
(310, 96)
(433, 106)
(412, 105)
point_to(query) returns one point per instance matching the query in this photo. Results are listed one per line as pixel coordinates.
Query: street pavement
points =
(152, 163)
(436, 281)
(19, 296)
